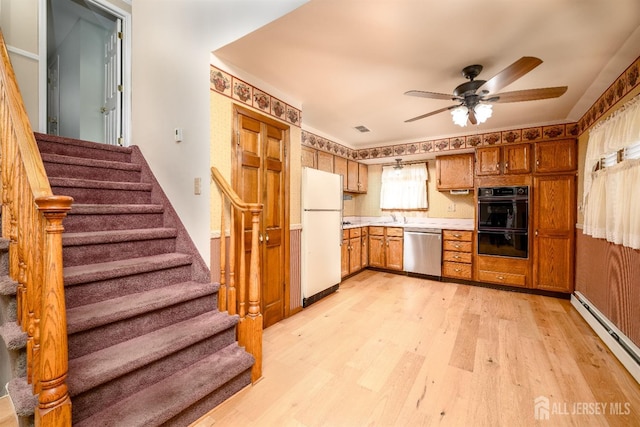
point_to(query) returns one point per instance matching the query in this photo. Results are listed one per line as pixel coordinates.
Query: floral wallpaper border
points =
(241, 91)
(625, 83)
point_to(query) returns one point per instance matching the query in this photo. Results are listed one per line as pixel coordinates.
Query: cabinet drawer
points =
(345, 234)
(502, 278)
(456, 269)
(355, 232)
(457, 256)
(376, 231)
(452, 245)
(395, 231)
(464, 236)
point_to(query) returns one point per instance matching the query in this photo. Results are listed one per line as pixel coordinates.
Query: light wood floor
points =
(389, 350)
(7, 416)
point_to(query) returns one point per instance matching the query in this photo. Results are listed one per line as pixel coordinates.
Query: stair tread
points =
(22, 396)
(84, 161)
(89, 316)
(80, 143)
(8, 286)
(92, 183)
(106, 209)
(167, 398)
(114, 236)
(124, 267)
(13, 336)
(104, 365)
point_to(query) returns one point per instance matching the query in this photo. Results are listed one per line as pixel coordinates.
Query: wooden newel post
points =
(254, 317)
(54, 403)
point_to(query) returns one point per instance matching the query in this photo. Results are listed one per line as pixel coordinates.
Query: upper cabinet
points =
(340, 168)
(308, 157)
(324, 161)
(454, 172)
(354, 174)
(555, 156)
(503, 160)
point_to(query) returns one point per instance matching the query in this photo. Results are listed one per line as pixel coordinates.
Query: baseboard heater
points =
(620, 345)
(308, 301)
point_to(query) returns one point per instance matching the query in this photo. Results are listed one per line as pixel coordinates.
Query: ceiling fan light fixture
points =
(460, 115)
(398, 165)
(483, 112)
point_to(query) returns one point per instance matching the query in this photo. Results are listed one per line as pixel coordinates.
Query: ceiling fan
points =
(475, 96)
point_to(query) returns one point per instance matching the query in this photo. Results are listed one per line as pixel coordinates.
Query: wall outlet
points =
(451, 207)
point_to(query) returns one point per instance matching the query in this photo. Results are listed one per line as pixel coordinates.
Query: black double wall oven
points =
(503, 221)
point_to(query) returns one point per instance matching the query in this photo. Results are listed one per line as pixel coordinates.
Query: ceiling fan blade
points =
(432, 95)
(451, 107)
(472, 117)
(510, 74)
(529, 94)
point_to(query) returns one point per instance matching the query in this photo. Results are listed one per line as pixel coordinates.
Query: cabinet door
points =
(376, 251)
(340, 168)
(488, 161)
(344, 258)
(365, 247)
(325, 161)
(363, 177)
(355, 255)
(554, 230)
(516, 159)
(308, 157)
(394, 253)
(556, 156)
(454, 172)
(352, 175)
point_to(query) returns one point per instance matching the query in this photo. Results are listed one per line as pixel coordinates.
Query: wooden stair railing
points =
(240, 296)
(32, 220)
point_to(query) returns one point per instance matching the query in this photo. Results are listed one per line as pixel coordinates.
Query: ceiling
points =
(349, 62)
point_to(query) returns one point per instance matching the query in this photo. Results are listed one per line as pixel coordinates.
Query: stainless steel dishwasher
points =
(423, 251)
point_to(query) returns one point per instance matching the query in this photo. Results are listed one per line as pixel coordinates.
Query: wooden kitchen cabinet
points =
(555, 156)
(454, 172)
(340, 168)
(308, 157)
(325, 161)
(344, 254)
(554, 210)
(351, 251)
(365, 247)
(503, 271)
(363, 177)
(386, 245)
(503, 160)
(457, 260)
(354, 180)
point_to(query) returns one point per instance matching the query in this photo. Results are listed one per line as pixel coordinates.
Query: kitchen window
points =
(612, 178)
(404, 188)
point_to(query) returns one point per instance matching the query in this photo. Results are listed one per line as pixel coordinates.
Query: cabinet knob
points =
(457, 270)
(456, 256)
(537, 162)
(260, 237)
(506, 165)
(457, 236)
(536, 232)
(497, 166)
(457, 246)
(500, 277)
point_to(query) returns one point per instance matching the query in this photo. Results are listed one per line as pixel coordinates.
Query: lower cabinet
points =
(503, 271)
(457, 249)
(386, 245)
(352, 251)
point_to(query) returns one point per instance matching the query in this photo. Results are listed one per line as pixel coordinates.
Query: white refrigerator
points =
(321, 233)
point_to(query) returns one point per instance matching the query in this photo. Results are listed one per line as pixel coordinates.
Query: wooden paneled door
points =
(260, 175)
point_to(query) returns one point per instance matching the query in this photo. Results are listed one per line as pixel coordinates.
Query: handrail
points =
(234, 299)
(32, 221)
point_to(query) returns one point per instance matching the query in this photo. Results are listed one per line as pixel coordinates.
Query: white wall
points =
(172, 41)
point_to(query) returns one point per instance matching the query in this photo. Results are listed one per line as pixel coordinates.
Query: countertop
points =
(441, 223)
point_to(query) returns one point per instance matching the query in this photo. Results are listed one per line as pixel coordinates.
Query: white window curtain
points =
(611, 196)
(404, 188)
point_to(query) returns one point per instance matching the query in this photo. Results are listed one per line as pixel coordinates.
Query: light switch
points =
(197, 186)
(177, 134)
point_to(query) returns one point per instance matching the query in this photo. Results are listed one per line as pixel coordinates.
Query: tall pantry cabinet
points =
(554, 215)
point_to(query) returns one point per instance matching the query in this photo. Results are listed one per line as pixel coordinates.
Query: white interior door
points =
(53, 96)
(112, 108)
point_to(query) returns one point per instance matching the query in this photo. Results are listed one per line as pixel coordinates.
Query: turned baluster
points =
(222, 293)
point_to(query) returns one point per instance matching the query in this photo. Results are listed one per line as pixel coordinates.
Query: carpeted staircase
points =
(147, 345)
